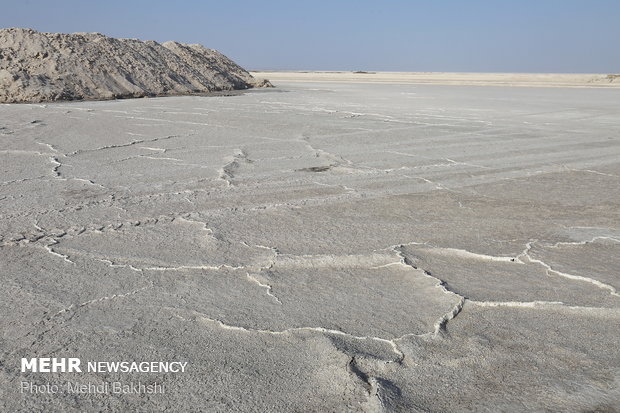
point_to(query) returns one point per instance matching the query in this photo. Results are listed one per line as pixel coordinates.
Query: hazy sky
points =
(433, 35)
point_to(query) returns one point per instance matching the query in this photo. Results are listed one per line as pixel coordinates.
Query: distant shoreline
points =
(445, 78)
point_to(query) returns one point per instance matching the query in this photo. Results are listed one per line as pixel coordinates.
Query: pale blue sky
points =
(578, 36)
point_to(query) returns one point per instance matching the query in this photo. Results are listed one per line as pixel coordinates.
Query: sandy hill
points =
(36, 67)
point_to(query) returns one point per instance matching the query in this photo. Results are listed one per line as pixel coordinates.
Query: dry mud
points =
(326, 247)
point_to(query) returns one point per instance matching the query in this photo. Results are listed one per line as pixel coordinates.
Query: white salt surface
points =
(318, 247)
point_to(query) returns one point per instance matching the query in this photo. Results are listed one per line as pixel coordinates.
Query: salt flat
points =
(564, 80)
(319, 247)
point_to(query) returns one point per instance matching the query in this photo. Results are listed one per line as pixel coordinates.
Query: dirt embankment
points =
(37, 67)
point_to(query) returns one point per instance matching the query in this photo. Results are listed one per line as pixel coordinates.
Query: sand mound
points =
(37, 67)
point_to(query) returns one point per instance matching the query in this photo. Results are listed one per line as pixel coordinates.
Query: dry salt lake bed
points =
(326, 247)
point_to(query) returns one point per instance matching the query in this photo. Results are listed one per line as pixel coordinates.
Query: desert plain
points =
(330, 245)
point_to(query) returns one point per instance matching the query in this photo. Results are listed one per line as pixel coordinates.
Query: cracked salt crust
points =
(363, 252)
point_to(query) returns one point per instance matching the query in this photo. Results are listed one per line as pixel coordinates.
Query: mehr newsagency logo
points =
(75, 365)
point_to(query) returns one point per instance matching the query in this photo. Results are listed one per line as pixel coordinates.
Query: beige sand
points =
(455, 79)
